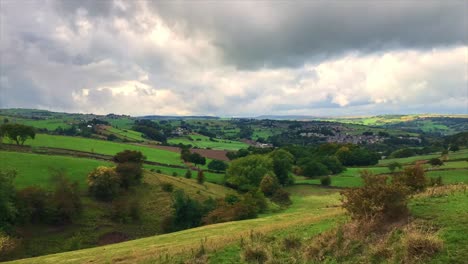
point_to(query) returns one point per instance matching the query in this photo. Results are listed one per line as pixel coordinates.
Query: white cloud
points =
(143, 64)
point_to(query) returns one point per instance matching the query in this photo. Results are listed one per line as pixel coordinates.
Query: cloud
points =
(236, 59)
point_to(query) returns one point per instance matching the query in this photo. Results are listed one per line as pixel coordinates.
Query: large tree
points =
(282, 165)
(246, 173)
(17, 132)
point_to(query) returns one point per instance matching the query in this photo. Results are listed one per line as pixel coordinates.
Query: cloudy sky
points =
(235, 58)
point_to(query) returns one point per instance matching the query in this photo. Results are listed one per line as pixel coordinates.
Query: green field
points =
(121, 123)
(348, 178)
(103, 147)
(461, 154)
(126, 134)
(450, 176)
(448, 214)
(34, 169)
(209, 176)
(201, 141)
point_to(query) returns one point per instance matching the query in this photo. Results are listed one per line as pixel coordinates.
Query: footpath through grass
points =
(103, 147)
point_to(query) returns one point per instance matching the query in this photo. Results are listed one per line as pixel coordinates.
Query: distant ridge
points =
(159, 117)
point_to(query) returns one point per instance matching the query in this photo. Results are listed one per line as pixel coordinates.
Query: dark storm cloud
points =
(276, 33)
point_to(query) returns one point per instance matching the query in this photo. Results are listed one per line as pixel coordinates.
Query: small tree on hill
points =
(393, 166)
(17, 132)
(200, 177)
(217, 165)
(269, 185)
(103, 183)
(188, 174)
(129, 167)
(435, 162)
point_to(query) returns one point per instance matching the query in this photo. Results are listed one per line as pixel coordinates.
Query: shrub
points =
(188, 174)
(124, 210)
(436, 162)
(291, 243)
(167, 187)
(33, 205)
(269, 185)
(66, 201)
(217, 165)
(419, 246)
(158, 171)
(7, 197)
(376, 200)
(7, 245)
(103, 183)
(436, 181)
(254, 254)
(130, 174)
(393, 166)
(200, 177)
(129, 156)
(281, 197)
(174, 174)
(413, 177)
(325, 181)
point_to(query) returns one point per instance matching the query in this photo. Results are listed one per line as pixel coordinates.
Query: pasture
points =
(35, 169)
(201, 141)
(103, 147)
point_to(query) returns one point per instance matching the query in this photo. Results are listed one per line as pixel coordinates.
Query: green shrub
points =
(103, 183)
(281, 197)
(376, 200)
(188, 174)
(255, 254)
(200, 177)
(325, 181)
(269, 185)
(167, 187)
(7, 200)
(413, 177)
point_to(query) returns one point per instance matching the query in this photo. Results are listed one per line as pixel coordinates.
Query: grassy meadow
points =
(103, 147)
(317, 207)
(35, 169)
(201, 141)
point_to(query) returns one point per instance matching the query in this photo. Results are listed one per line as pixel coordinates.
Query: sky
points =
(235, 58)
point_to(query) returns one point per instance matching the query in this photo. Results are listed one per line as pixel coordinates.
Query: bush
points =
(158, 171)
(7, 200)
(188, 174)
(174, 174)
(376, 200)
(33, 205)
(129, 156)
(167, 187)
(254, 254)
(217, 165)
(269, 185)
(314, 168)
(436, 181)
(325, 181)
(200, 177)
(420, 246)
(7, 245)
(130, 174)
(66, 201)
(103, 183)
(125, 211)
(281, 197)
(413, 177)
(436, 162)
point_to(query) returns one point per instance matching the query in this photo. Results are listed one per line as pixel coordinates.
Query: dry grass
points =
(444, 190)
